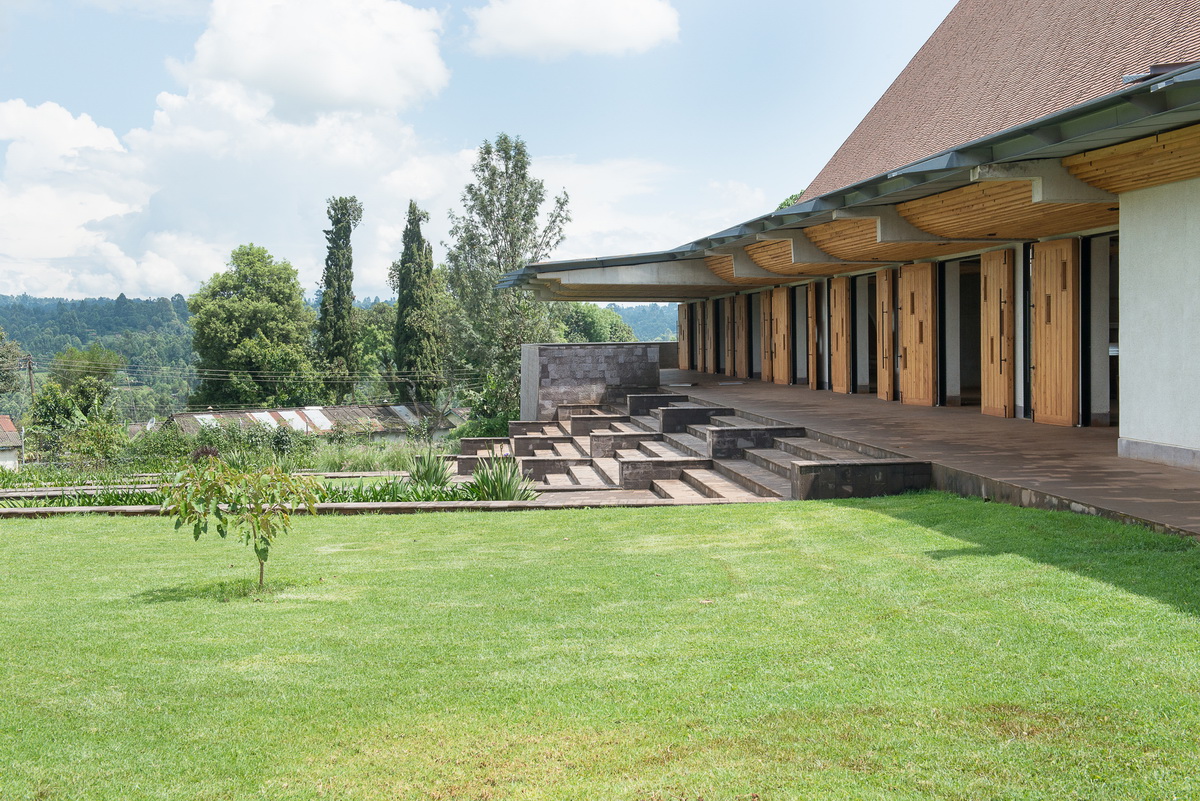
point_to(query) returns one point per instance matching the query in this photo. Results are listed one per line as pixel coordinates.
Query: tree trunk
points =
(261, 568)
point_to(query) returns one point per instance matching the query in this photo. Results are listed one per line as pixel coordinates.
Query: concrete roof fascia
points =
(1043, 137)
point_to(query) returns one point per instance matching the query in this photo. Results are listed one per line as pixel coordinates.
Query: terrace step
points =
(587, 476)
(758, 480)
(689, 444)
(609, 470)
(731, 420)
(544, 453)
(809, 448)
(676, 489)
(712, 484)
(773, 459)
(569, 450)
(701, 431)
(645, 422)
(558, 480)
(662, 450)
(625, 428)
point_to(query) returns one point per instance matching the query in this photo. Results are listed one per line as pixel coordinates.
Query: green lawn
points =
(915, 647)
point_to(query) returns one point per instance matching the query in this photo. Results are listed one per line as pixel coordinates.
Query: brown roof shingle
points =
(994, 64)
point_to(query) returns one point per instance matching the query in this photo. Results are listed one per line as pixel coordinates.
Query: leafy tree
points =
(252, 335)
(586, 322)
(790, 200)
(335, 326)
(415, 338)
(257, 504)
(60, 420)
(72, 364)
(498, 231)
(10, 362)
(651, 322)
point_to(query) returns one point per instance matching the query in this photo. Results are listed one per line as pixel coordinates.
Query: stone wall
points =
(605, 372)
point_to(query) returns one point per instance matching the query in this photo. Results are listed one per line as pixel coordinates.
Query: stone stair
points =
(691, 452)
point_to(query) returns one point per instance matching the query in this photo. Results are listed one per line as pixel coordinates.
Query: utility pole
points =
(29, 365)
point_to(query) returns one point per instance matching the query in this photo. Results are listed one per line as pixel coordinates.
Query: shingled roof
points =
(994, 64)
(10, 437)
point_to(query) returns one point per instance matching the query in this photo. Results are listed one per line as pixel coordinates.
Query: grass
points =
(916, 647)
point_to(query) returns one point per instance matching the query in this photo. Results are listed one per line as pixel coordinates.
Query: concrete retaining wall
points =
(594, 373)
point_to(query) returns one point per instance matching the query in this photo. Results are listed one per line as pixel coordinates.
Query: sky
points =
(143, 140)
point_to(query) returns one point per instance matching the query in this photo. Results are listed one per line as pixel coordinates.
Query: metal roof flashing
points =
(1116, 117)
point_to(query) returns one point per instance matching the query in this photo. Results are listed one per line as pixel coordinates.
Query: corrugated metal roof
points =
(313, 419)
(10, 435)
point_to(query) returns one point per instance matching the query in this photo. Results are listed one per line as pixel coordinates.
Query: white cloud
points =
(556, 28)
(310, 56)
(617, 205)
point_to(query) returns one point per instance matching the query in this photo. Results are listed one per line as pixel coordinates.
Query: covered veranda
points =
(1009, 459)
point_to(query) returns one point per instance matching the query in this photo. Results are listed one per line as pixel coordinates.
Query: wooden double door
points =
(776, 311)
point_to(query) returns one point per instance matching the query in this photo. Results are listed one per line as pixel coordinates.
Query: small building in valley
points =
(10, 444)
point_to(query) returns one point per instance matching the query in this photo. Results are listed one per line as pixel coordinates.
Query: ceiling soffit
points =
(1152, 161)
(1003, 210)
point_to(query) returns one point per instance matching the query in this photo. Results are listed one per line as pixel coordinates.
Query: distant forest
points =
(155, 339)
(651, 322)
(152, 335)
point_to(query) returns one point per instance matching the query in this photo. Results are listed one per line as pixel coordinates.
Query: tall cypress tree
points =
(335, 330)
(418, 359)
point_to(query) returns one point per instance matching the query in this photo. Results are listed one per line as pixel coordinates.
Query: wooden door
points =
(685, 354)
(766, 336)
(839, 335)
(997, 314)
(811, 320)
(710, 336)
(781, 334)
(885, 333)
(918, 373)
(741, 336)
(701, 337)
(1054, 314)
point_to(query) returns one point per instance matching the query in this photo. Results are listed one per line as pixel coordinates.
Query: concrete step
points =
(700, 431)
(628, 454)
(645, 422)
(663, 450)
(625, 428)
(675, 488)
(758, 480)
(569, 450)
(736, 421)
(689, 444)
(558, 480)
(587, 476)
(544, 453)
(775, 460)
(608, 470)
(712, 484)
(809, 448)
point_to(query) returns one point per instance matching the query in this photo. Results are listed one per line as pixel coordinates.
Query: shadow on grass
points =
(223, 591)
(1165, 567)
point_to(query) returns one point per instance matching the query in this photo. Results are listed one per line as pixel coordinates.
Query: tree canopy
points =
(416, 337)
(253, 335)
(500, 229)
(335, 326)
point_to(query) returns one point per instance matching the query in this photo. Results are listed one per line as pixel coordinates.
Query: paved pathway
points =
(1076, 463)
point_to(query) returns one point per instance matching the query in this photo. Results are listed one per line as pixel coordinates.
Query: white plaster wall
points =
(1160, 323)
(10, 459)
